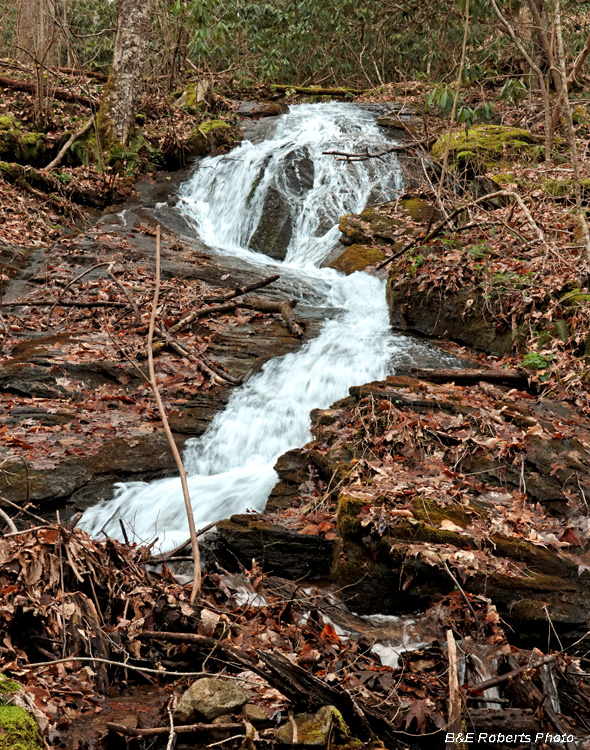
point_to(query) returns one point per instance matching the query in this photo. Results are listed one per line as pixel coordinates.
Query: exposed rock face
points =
(273, 233)
(357, 258)
(209, 698)
(262, 109)
(275, 228)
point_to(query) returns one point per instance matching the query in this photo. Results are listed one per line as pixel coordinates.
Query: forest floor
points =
(464, 501)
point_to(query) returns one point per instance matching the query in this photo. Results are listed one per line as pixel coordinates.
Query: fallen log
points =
(350, 156)
(317, 90)
(182, 729)
(71, 140)
(86, 73)
(514, 378)
(65, 96)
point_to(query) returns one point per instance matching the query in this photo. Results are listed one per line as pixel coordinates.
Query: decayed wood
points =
(505, 720)
(182, 729)
(293, 326)
(467, 377)
(66, 96)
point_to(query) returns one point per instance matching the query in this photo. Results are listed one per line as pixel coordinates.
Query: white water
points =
(231, 466)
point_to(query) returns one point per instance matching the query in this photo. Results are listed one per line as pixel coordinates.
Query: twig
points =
(182, 729)
(23, 510)
(173, 447)
(71, 283)
(431, 235)
(9, 522)
(126, 294)
(74, 137)
(458, 585)
(172, 736)
(122, 664)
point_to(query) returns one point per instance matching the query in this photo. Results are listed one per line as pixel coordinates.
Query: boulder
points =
(490, 143)
(313, 730)
(261, 109)
(209, 136)
(275, 228)
(209, 698)
(357, 258)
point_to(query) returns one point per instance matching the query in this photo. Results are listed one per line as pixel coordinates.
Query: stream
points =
(231, 465)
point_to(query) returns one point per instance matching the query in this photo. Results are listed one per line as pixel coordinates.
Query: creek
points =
(227, 201)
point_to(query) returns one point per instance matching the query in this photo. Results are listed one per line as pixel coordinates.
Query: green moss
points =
(22, 147)
(418, 209)
(347, 515)
(489, 143)
(357, 258)
(8, 686)
(207, 136)
(18, 730)
(565, 188)
(7, 122)
(430, 512)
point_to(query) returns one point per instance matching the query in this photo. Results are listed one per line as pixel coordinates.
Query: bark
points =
(123, 89)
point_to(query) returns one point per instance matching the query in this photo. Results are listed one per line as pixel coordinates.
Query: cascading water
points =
(231, 465)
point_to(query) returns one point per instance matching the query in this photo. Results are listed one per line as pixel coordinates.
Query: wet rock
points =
(275, 228)
(261, 109)
(312, 730)
(299, 171)
(357, 258)
(209, 698)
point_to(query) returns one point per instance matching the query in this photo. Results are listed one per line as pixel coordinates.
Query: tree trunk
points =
(123, 89)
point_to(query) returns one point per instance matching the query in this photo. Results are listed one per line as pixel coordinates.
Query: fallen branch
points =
(53, 303)
(123, 664)
(241, 290)
(71, 140)
(238, 292)
(173, 447)
(501, 679)
(9, 522)
(454, 691)
(182, 729)
(367, 155)
(417, 404)
(65, 96)
(317, 90)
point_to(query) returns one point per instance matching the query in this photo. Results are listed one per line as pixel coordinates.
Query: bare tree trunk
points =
(571, 133)
(35, 32)
(123, 89)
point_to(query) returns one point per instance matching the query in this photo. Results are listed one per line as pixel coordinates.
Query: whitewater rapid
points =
(231, 465)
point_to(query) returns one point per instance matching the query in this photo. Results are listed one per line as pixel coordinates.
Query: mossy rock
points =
(357, 258)
(488, 143)
(349, 507)
(208, 136)
(18, 729)
(22, 147)
(565, 189)
(194, 97)
(419, 210)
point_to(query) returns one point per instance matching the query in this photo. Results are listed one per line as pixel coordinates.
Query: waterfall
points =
(231, 465)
